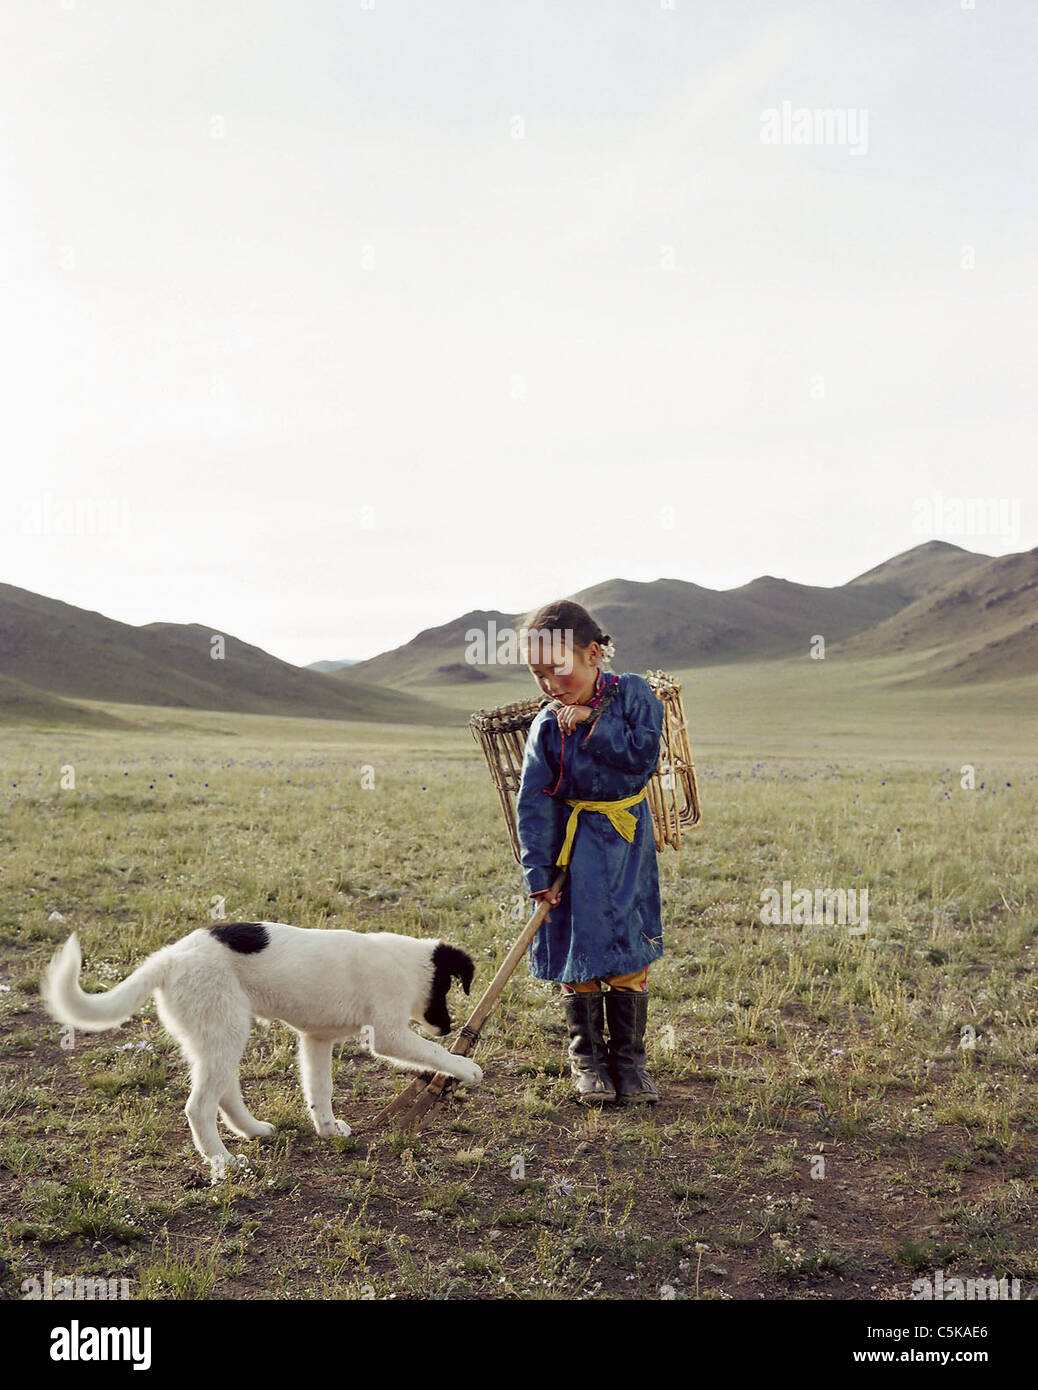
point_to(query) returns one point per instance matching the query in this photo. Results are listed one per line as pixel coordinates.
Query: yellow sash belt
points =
(622, 819)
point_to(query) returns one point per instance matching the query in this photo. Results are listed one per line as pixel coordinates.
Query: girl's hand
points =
(569, 716)
(553, 898)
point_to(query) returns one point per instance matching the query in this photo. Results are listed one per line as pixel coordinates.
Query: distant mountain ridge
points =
(982, 624)
(326, 666)
(922, 569)
(672, 623)
(54, 647)
(957, 616)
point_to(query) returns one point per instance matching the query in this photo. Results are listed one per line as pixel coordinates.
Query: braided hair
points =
(566, 616)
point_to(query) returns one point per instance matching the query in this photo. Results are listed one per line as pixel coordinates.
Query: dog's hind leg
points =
(237, 1116)
(315, 1072)
(210, 1018)
(208, 1083)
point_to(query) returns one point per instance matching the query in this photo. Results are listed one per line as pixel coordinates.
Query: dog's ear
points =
(457, 964)
(466, 970)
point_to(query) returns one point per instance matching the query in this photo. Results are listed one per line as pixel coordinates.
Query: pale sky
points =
(324, 323)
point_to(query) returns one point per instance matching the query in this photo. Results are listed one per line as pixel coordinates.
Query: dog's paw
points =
(222, 1164)
(218, 1168)
(333, 1129)
(264, 1130)
(469, 1074)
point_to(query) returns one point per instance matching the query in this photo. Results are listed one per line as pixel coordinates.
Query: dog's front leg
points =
(315, 1070)
(407, 1049)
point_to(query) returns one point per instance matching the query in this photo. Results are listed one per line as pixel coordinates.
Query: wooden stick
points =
(425, 1094)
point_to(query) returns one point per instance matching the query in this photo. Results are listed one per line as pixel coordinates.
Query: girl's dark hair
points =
(565, 615)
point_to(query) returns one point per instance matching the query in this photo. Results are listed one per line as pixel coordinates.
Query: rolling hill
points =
(71, 652)
(953, 615)
(676, 624)
(922, 569)
(23, 704)
(980, 625)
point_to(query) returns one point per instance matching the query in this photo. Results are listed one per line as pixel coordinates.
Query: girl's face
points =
(571, 680)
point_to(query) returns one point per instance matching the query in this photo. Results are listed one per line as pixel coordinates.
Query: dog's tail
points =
(64, 1000)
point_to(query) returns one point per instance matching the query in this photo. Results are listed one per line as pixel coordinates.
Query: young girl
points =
(598, 742)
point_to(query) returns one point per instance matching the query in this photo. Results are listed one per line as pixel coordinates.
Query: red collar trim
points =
(602, 684)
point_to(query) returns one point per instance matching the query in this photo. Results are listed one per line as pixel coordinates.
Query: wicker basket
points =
(673, 795)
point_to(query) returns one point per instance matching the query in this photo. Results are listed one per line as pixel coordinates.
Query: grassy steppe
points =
(774, 1046)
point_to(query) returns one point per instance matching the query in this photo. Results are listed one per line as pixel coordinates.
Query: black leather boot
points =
(626, 1012)
(589, 1057)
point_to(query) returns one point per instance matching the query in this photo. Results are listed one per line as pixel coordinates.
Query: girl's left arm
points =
(631, 744)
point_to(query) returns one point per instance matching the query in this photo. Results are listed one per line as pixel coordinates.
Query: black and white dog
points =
(325, 985)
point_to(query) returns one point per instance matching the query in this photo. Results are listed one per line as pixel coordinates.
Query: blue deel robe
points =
(608, 920)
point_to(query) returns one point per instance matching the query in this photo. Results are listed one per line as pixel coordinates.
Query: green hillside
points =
(23, 704)
(83, 655)
(922, 569)
(943, 614)
(671, 623)
(980, 626)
